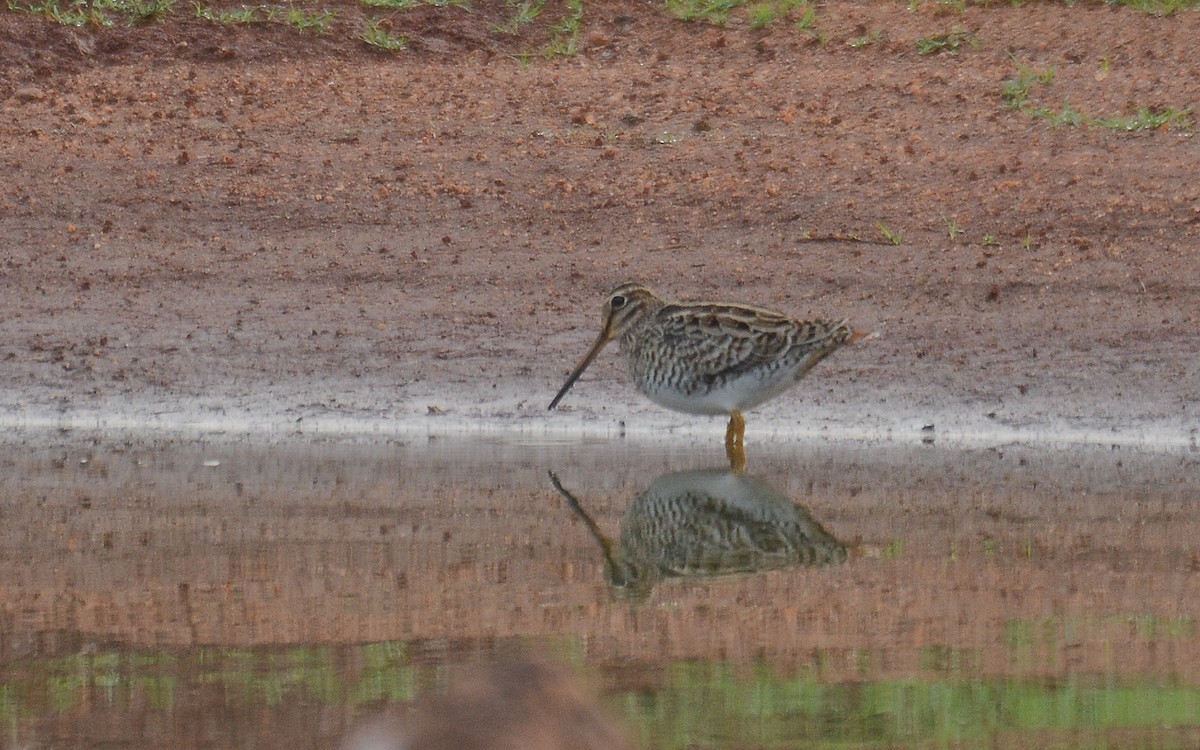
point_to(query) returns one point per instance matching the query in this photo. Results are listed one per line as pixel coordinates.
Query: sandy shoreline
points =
(300, 413)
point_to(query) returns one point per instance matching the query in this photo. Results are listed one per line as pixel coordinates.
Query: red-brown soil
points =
(217, 219)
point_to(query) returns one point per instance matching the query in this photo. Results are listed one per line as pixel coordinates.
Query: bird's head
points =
(624, 308)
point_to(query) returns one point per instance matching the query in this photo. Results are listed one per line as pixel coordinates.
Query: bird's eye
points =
(617, 302)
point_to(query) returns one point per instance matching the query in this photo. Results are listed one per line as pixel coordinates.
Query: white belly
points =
(743, 393)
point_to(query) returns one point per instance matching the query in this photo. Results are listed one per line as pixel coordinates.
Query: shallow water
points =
(225, 593)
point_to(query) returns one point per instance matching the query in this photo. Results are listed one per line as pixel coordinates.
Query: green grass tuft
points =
(1016, 94)
(762, 15)
(226, 16)
(710, 11)
(1015, 91)
(97, 12)
(524, 13)
(377, 36)
(564, 39)
(1057, 118)
(1149, 119)
(952, 228)
(301, 19)
(392, 4)
(298, 18)
(866, 40)
(893, 236)
(948, 43)
(759, 14)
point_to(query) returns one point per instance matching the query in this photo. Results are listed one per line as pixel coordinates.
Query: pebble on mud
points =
(29, 94)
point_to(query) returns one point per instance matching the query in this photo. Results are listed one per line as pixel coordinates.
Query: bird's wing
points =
(731, 339)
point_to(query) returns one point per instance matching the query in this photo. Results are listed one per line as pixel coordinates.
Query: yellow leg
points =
(735, 441)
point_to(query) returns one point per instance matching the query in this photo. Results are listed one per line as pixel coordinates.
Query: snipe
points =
(710, 357)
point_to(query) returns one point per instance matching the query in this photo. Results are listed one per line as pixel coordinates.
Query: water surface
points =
(228, 593)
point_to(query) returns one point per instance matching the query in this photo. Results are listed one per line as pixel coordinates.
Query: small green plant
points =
(564, 39)
(524, 13)
(762, 15)
(1015, 91)
(1143, 119)
(867, 40)
(1016, 94)
(142, 11)
(299, 18)
(410, 4)
(948, 43)
(989, 240)
(561, 46)
(392, 4)
(1149, 119)
(303, 20)
(766, 12)
(245, 14)
(710, 11)
(952, 228)
(807, 22)
(97, 12)
(377, 36)
(893, 236)
(70, 16)
(1057, 118)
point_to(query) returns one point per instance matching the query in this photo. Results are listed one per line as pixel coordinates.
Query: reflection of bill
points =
(708, 522)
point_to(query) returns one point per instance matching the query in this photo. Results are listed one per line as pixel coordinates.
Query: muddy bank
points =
(298, 230)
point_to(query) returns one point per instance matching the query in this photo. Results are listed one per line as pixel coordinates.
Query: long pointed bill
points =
(601, 341)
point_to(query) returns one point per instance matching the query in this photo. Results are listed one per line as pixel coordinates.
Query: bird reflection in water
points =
(707, 522)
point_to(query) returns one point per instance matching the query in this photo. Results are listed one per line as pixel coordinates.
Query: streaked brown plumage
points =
(708, 522)
(710, 357)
